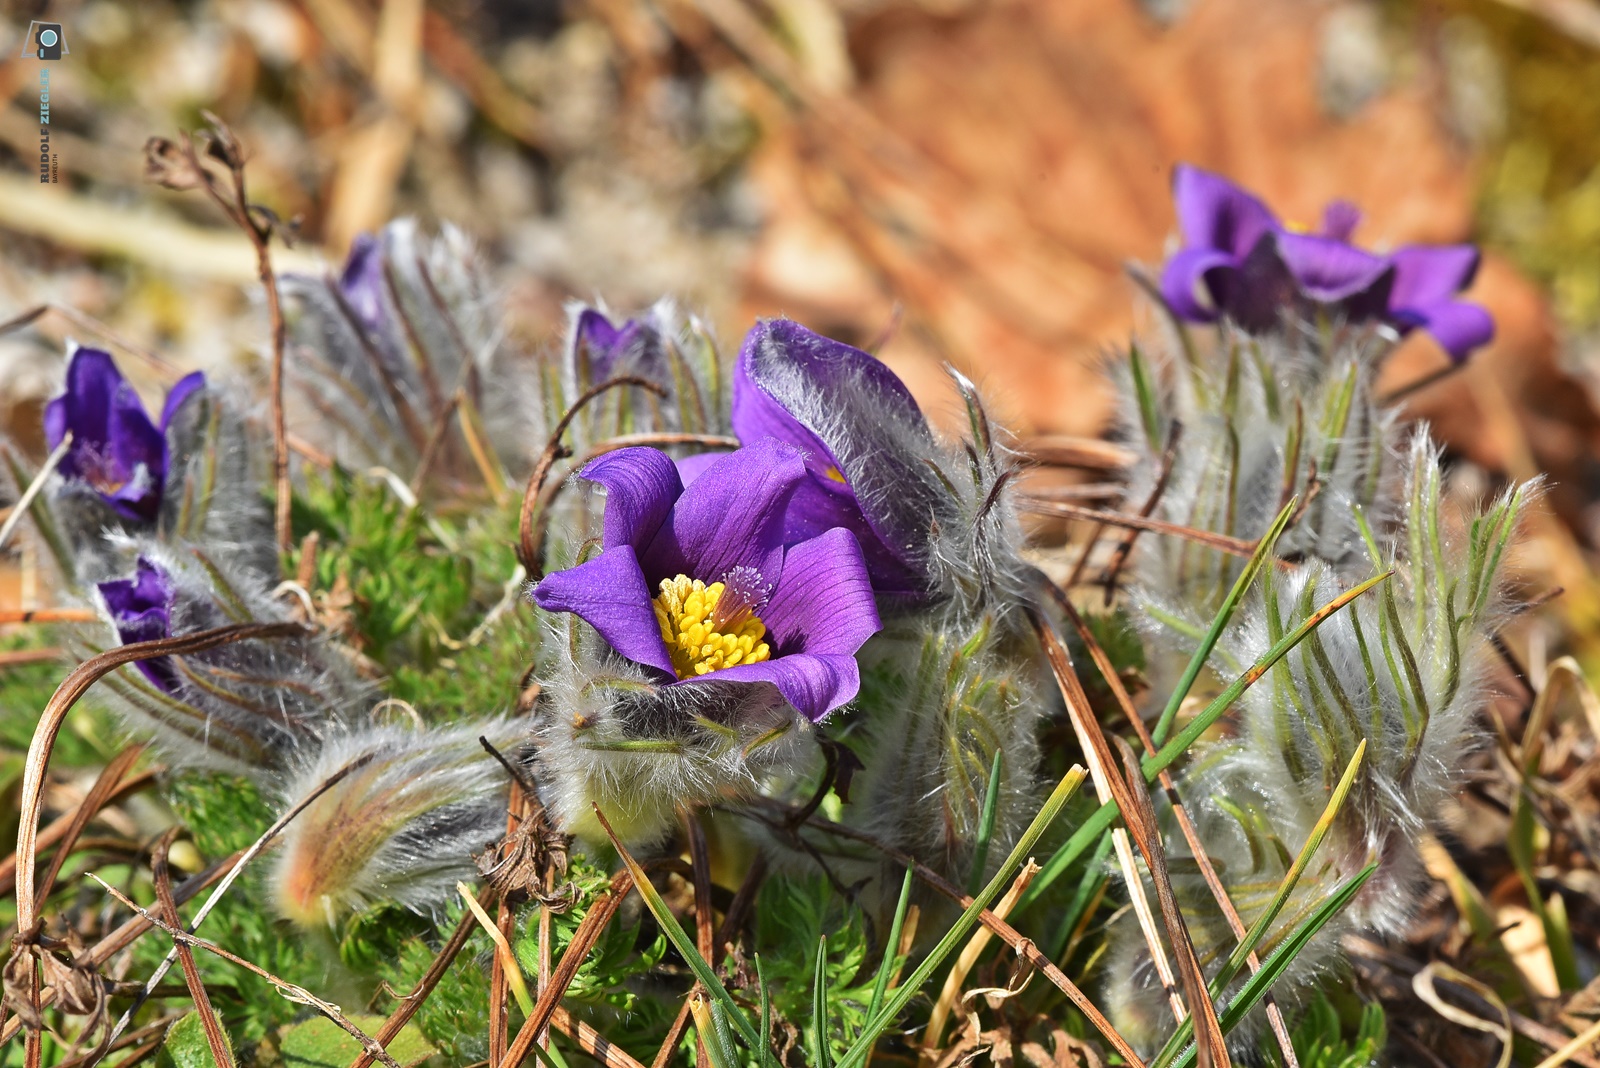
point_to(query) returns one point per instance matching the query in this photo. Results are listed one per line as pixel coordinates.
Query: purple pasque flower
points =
(141, 610)
(700, 585)
(604, 346)
(852, 420)
(116, 450)
(1240, 261)
(361, 282)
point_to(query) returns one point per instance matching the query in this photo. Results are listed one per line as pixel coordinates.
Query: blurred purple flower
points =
(115, 449)
(851, 418)
(701, 585)
(141, 610)
(361, 283)
(603, 344)
(1238, 260)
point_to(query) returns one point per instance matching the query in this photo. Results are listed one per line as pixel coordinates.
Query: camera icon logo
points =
(45, 41)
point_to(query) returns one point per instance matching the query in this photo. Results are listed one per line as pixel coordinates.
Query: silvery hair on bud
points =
(373, 392)
(606, 735)
(249, 707)
(1402, 668)
(1256, 422)
(403, 823)
(963, 677)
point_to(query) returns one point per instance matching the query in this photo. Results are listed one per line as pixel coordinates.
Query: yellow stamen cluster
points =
(702, 639)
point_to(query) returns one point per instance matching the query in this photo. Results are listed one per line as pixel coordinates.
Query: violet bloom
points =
(116, 450)
(141, 610)
(859, 431)
(699, 585)
(362, 283)
(1240, 261)
(603, 345)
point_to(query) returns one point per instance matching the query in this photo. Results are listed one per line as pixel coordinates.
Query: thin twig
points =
(92, 803)
(1221, 542)
(62, 824)
(1208, 871)
(216, 1038)
(591, 1041)
(20, 508)
(527, 548)
(48, 615)
(288, 990)
(583, 940)
(410, 1003)
(531, 547)
(1119, 556)
(233, 873)
(1008, 934)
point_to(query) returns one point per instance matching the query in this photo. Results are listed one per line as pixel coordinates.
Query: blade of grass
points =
(508, 959)
(1256, 987)
(1258, 930)
(891, 950)
(991, 806)
(821, 1056)
(857, 1055)
(1097, 824)
(680, 939)
(1220, 621)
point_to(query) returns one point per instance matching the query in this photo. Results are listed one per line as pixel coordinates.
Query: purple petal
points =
(816, 684)
(731, 517)
(1327, 270)
(84, 406)
(610, 594)
(692, 467)
(823, 601)
(1458, 326)
(187, 386)
(141, 611)
(1215, 214)
(858, 428)
(361, 283)
(139, 454)
(1186, 283)
(817, 507)
(641, 485)
(1427, 274)
(1340, 219)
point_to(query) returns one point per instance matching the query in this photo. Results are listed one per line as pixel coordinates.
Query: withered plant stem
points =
(527, 547)
(536, 504)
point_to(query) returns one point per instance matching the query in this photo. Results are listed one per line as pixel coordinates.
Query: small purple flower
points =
(851, 418)
(141, 610)
(700, 585)
(115, 449)
(361, 283)
(1239, 260)
(603, 345)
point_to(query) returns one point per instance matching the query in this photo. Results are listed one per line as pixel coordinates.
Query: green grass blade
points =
(766, 1057)
(821, 1056)
(1096, 825)
(1271, 970)
(1258, 930)
(703, 971)
(1219, 623)
(991, 809)
(892, 947)
(857, 1055)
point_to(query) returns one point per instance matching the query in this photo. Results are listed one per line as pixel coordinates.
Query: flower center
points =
(708, 628)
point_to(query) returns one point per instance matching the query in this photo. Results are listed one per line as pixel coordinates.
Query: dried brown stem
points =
(104, 785)
(527, 547)
(1119, 556)
(127, 934)
(286, 989)
(1220, 542)
(410, 1003)
(22, 657)
(58, 828)
(48, 615)
(1003, 930)
(591, 1041)
(583, 940)
(535, 514)
(1208, 871)
(216, 1038)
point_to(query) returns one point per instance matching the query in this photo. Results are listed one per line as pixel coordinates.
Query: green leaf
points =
(186, 1045)
(321, 1043)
